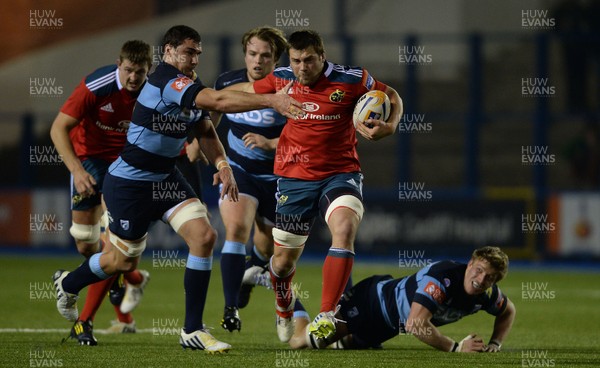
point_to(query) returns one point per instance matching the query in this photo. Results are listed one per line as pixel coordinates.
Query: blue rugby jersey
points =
(439, 288)
(266, 122)
(162, 117)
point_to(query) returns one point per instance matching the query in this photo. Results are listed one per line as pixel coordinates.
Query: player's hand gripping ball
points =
(372, 105)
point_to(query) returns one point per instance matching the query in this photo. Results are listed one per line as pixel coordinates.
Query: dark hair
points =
(177, 34)
(273, 36)
(301, 40)
(136, 51)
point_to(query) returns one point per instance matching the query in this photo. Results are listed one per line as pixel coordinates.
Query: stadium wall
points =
(564, 226)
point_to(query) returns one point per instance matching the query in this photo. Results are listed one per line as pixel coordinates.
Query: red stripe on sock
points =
(95, 296)
(336, 272)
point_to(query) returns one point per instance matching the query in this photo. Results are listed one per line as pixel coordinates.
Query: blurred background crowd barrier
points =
(499, 142)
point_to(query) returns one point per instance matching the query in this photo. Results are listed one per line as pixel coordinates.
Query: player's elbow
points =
(211, 100)
(415, 327)
(511, 309)
(56, 130)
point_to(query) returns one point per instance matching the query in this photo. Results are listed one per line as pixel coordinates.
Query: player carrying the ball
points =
(319, 171)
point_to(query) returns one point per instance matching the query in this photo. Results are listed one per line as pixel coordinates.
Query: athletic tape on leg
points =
(190, 211)
(347, 201)
(127, 247)
(85, 233)
(288, 240)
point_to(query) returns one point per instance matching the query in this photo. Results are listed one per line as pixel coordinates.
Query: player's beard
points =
(305, 81)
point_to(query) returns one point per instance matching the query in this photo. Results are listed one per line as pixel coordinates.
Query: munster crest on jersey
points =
(337, 96)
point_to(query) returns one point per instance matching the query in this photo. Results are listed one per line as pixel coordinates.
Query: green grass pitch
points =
(557, 324)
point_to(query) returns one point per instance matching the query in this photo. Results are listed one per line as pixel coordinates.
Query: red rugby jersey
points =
(104, 109)
(323, 142)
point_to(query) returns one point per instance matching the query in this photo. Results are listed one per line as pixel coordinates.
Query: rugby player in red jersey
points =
(319, 170)
(89, 132)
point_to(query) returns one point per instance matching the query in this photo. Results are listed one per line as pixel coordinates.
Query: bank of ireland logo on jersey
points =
(124, 224)
(310, 106)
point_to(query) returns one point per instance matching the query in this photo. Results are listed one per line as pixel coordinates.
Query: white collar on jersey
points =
(329, 68)
(119, 85)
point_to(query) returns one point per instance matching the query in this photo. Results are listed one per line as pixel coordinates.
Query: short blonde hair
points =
(495, 257)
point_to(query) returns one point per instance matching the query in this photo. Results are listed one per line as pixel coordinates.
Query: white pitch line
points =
(63, 330)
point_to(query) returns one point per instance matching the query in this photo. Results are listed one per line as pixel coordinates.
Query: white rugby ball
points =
(372, 105)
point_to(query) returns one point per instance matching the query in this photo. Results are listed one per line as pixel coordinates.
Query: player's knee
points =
(89, 234)
(343, 227)
(202, 240)
(237, 231)
(118, 264)
(283, 263)
(126, 265)
(209, 238)
(87, 250)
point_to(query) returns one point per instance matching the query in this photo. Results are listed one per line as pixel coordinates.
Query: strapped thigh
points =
(189, 211)
(129, 248)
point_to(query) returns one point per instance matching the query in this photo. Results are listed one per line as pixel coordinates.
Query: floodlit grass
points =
(557, 326)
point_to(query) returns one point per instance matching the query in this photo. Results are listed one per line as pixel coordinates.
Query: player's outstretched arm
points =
(59, 133)
(381, 129)
(247, 87)
(502, 325)
(226, 100)
(419, 324)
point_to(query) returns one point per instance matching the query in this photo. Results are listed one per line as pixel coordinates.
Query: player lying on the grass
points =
(381, 307)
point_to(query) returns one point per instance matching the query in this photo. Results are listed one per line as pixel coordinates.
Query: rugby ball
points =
(372, 105)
